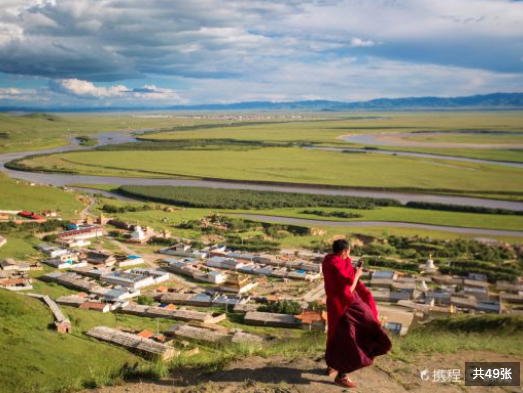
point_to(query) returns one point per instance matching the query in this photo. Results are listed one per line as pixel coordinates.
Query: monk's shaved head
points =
(339, 246)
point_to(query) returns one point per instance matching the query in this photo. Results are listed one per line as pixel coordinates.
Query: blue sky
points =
(171, 52)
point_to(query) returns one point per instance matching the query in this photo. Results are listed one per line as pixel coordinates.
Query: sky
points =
(119, 53)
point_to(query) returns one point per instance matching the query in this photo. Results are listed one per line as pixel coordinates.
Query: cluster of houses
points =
(229, 269)
(14, 275)
(22, 216)
(161, 345)
(107, 284)
(444, 293)
(67, 258)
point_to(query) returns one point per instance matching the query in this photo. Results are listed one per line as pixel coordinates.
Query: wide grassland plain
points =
(255, 161)
(325, 130)
(468, 137)
(43, 131)
(286, 164)
(295, 165)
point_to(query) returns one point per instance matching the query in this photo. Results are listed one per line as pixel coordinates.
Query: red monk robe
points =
(355, 336)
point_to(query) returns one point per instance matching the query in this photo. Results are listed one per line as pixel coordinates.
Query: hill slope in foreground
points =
(35, 359)
(446, 343)
(265, 375)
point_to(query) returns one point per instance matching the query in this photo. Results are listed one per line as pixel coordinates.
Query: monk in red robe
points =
(355, 335)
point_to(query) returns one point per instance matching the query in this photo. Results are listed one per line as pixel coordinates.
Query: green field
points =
(19, 195)
(43, 131)
(295, 165)
(34, 358)
(326, 128)
(327, 131)
(513, 155)
(402, 214)
(476, 138)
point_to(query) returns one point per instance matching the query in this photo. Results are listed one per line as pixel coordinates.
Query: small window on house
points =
(393, 327)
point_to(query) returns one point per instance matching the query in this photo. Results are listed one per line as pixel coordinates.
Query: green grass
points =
(19, 195)
(481, 154)
(19, 246)
(327, 132)
(43, 131)
(34, 358)
(327, 128)
(294, 165)
(402, 214)
(87, 141)
(494, 333)
(467, 138)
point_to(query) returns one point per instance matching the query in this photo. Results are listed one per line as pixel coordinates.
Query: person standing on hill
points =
(355, 336)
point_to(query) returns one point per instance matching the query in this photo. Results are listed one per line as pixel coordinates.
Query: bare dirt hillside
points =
(278, 375)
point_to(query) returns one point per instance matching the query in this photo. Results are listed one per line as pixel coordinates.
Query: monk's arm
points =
(356, 279)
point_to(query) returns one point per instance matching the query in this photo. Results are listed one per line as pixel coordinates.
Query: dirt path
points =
(304, 375)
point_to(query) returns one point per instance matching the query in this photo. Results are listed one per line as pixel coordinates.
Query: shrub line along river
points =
(126, 137)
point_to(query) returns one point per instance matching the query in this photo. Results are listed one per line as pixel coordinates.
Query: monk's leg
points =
(344, 353)
(372, 339)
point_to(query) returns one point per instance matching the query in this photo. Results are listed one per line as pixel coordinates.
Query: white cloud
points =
(360, 43)
(85, 89)
(16, 94)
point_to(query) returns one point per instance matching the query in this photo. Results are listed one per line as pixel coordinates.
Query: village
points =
(199, 288)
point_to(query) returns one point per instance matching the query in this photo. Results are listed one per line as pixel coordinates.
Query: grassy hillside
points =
(495, 333)
(34, 358)
(18, 195)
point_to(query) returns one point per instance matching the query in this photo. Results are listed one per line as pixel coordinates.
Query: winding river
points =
(126, 137)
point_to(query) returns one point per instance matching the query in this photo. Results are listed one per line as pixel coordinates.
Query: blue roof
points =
(383, 274)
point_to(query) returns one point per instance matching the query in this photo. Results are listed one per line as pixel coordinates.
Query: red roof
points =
(13, 281)
(309, 316)
(92, 306)
(145, 334)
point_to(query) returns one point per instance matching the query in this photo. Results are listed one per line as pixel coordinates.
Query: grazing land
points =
(36, 359)
(294, 165)
(39, 131)
(20, 195)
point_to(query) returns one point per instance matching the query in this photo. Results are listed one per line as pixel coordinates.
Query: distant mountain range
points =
(495, 101)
